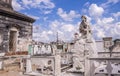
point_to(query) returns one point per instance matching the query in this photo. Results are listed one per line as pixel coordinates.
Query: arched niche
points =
(13, 38)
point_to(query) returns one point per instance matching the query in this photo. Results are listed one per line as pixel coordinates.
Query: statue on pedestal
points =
(84, 47)
(86, 37)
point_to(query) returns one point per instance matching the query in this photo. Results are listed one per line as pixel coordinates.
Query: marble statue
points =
(84, 47)
(86, 38)
(84, 28)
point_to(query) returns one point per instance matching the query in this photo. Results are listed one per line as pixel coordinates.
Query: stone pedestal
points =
(1, 65)
(87, 67)
(21, 65)
(28, 66)
(57, 65)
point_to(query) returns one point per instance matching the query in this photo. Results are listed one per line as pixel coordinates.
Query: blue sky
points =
(63, 16)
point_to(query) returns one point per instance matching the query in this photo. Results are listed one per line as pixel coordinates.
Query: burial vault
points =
(15, 28)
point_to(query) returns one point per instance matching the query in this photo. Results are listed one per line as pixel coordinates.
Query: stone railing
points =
(104, 66)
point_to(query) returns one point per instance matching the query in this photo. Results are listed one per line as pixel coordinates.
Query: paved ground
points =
(11, 73)
(15, 73)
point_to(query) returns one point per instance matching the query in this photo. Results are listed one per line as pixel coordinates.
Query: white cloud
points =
(50, 32)
(45, 18)
(17, 6)
(95, 10)
(106, 27)
(107, 20)
(67, 16)
(42, 35)
(87, 4)
(115, 30)
(68, 28)
(103, 26)
(104, 21)
(47, 4)
(113, 1)
(84, 10)
(116, 15)
(44, 6)
(47, 11)
(65, 31)
(54, 24)
(109, 2)
(100, 33)
(27, 2)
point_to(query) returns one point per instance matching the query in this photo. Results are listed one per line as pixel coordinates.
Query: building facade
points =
(15, 28)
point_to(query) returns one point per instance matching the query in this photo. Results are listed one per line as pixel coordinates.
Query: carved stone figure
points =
(84, 48)
(84, 28)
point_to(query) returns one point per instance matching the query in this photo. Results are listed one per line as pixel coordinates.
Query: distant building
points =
(15, 29)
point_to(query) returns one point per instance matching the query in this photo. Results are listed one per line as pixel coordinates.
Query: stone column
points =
(21, 64)
(87, 67)
(57, 65)
(1, 64)
(109, 68)
(28, 65)
(86, 63)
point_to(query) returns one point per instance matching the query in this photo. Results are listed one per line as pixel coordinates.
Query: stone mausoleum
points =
(15, 29)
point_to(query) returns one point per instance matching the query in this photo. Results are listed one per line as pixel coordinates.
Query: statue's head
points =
(84, 18)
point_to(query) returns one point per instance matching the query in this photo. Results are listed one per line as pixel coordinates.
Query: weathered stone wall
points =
(24, 33)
